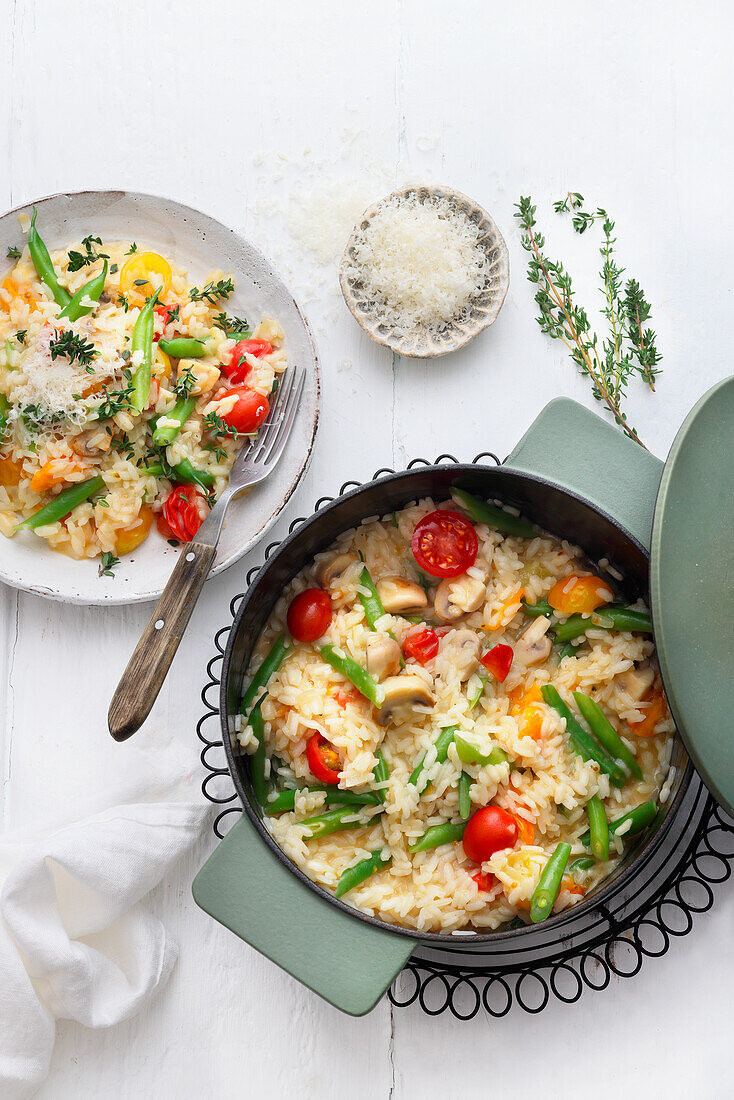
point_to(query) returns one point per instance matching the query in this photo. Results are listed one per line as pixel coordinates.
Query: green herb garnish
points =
(107, 563)
(212, 292)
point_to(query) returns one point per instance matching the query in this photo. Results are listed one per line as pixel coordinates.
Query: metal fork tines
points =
(255, 462)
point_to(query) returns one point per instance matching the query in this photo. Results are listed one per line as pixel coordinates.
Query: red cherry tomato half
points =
(444, 543)
(487, 831)
(235, 367)
(184, 511)
(324, 763)
(248, 413)
(485, 882)
(498, 661)
(422, 646)
(309, 615)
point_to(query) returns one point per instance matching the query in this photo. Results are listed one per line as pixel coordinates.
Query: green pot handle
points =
(348, 962)
(576, 449)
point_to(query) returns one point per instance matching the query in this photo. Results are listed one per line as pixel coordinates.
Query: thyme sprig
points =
(212, 292)
(628, 349)
(72, 346)
(78, 260)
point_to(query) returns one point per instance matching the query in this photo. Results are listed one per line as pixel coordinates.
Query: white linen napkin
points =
(74, 942)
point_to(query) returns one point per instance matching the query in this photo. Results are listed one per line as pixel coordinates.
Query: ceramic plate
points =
(197, 243)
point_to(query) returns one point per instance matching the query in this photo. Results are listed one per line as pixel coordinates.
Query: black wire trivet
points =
(638, 922)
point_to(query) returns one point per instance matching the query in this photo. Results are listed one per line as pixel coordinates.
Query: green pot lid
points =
(692, 587)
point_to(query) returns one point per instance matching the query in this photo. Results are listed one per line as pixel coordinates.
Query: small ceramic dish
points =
(199, 244)
(422, 343)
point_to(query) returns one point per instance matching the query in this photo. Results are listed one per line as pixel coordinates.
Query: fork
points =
(148, 667)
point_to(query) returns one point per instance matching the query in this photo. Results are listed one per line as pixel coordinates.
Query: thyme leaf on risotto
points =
(133, 248)
(107, 564)
(13, 253)
(123, 302)
(235, 328)
(212, 292)
(21, 335)
(627, 349)
(72, 346)
(78, 260)
(218, 427)
(185, 382)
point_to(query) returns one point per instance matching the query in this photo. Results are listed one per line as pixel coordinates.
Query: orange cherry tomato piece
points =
(309, 615)
(487, 831)
(575, 595)
(10, 472)
(323, 761)
(654, 714)
(130, 537)
(525, 829)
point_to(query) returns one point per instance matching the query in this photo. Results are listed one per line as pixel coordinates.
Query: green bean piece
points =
(568, 650)
(270, 665)
(477, 697)
(442, 742)
(535, 610)
(640, 818)
(183, 347)
(360, 871)
(599, 828)
(381, 774)
(143, 341)
(549, 883)
(364, 683)
(180, 412)
(335, 821)
(182, 472)
(61, 505)
(465, 795)
(372, 604)
(583, 863)
(448, 833)
(605, 732)
(470, 754)
(285, 801)
(92, 290)
(606, 618)
(481, 512)
(622, 618)
(582, 741)
(4, 410)
(44, 268)
(260, 784)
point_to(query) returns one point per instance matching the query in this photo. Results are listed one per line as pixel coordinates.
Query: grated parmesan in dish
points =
(420, 261)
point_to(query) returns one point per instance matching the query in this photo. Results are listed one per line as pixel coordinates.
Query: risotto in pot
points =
(125, 394)
(454, 721)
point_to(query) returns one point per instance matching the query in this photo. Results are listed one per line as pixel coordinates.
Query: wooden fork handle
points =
(148, 667)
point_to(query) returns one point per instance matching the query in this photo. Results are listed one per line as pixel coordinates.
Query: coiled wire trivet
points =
(638, 922)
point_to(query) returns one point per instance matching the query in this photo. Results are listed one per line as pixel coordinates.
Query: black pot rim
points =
(466, 938)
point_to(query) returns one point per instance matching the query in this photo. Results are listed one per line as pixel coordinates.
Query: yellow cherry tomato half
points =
(131, 537)
(579, 595)
(10, 472)
(164, 361)
(142, 274)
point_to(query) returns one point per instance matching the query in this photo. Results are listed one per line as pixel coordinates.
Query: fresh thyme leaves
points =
(77, 260)
(234, 327)
(218, 427)
(123, 445)
(72, 346)
(122, 301)
(13, 253)
(21, 335)
(628, 348)
(185, 382)
(36, 417)
(107, 564)
(172, 313)
(133, 248)
(212, 292)
(116, 400)
(114, 269)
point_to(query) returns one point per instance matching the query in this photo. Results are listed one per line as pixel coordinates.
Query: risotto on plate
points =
(125, 394)
(455, 721)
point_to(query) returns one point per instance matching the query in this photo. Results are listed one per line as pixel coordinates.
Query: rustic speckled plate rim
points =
(87, 588)
(457, 335)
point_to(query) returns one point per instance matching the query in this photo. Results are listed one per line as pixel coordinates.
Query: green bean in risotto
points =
(423, 659)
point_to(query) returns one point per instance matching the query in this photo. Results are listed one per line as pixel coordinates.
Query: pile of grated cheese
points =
(420, 261)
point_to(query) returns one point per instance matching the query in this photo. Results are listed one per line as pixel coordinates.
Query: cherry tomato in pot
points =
(324, 763)
(249, 411)
(487, 831)
(163, 317)
(444, 543)
(421, 646)
(498, 660)
(309, 615)
(235, 367)
(184, 511)
(485, 882)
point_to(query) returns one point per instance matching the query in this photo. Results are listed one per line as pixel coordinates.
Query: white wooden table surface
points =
(231, 108)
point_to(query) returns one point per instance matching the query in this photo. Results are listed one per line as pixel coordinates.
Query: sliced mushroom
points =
(330, 572)
(532, 646)
(401, 693)
(399, 595)
(382, 656)
(458, 596)
(636, 682)
(465, 650)
(92, 443)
